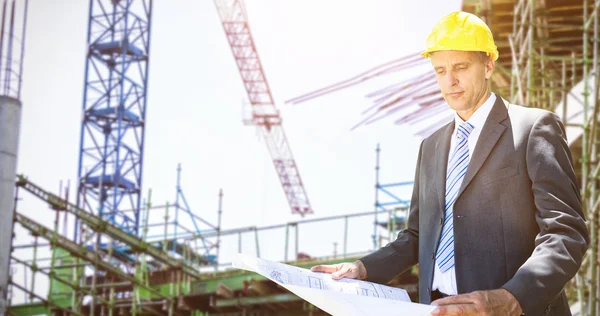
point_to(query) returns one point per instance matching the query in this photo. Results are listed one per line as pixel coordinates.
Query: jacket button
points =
(433, 255)
(442, 221)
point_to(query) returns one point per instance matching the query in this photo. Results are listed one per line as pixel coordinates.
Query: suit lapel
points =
(490, 134)
(442, 148)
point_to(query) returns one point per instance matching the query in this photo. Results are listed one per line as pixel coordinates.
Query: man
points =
(495, 223)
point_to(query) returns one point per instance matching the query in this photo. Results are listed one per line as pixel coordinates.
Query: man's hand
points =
(495, 302)
(350, 270)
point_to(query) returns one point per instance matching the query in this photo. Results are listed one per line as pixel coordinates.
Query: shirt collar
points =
(480, 116)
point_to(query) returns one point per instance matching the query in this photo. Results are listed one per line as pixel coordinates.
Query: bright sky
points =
(195, 105)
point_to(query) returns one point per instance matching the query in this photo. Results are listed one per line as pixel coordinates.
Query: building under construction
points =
(115, 253)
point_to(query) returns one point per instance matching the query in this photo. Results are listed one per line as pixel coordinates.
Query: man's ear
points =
(489, 68)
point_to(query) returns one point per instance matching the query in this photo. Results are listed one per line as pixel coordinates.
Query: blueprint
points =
(337, 297)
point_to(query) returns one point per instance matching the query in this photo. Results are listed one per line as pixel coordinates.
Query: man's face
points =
(463, 79)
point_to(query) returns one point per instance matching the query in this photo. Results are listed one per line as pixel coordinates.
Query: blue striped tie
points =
(459, 161)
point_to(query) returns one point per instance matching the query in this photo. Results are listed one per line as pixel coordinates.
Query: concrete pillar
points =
(10, 120)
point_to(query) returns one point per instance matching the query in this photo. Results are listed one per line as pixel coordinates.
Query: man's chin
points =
(456, 106)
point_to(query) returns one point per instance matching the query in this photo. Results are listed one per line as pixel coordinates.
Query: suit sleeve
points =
(563, 237)
(396, 257)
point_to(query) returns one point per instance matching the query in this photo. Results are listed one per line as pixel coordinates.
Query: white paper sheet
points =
(336, 297)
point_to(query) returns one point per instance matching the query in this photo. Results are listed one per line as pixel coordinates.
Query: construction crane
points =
(265, 114)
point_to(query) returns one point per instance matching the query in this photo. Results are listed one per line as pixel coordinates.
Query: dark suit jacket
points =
(518, 220)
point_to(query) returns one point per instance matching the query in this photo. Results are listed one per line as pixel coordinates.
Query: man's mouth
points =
(455, 94)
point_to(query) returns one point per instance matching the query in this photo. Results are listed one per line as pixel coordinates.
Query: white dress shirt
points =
(446, 282)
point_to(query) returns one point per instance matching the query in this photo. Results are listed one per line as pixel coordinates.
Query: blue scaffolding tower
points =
(114, 111)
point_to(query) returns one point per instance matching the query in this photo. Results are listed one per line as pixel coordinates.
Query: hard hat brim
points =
(427, 53)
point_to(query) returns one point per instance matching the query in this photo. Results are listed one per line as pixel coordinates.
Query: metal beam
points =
(80, 252)
(257, 300)
(47, 303)
(99, 225)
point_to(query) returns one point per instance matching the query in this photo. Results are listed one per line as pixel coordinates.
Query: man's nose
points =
(450, 79)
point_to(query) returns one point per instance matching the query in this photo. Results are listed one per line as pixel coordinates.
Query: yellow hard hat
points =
(461, 31)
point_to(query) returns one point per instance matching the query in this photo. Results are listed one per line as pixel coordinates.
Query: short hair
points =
(484, 57)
